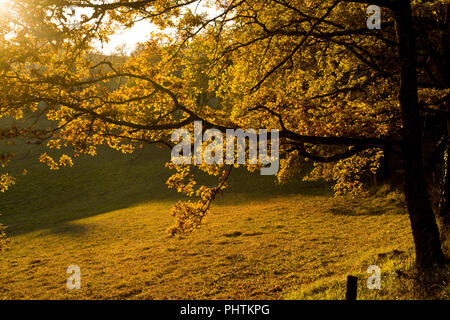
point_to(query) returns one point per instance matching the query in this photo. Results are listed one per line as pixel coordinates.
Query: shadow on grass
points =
(45, 199)
(370, 206)
(69, 228)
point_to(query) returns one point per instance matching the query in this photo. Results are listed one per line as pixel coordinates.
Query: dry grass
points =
(110, 217)
(253, 250)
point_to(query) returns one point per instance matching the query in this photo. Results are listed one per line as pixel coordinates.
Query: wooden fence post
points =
(352, 286)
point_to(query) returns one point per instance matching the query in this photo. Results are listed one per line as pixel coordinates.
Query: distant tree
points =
(342, 95)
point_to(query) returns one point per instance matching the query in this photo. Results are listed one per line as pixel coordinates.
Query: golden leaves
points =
(63, 161)
(6, 181)
(189, 214)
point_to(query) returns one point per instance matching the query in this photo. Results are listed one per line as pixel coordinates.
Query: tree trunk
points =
(444, 201)
(423, 222)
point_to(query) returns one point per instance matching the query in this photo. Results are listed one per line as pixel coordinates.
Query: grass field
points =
(260, 241)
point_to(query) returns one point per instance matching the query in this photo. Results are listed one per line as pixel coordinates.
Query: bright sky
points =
(140, 32)
(2, 2)
(130, 37)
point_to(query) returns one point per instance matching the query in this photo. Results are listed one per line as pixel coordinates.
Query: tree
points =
(341, 95)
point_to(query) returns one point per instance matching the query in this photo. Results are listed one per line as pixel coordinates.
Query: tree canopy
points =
(341, 95)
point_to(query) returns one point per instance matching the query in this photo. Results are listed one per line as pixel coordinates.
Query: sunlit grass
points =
(261, 250)
(260, 241)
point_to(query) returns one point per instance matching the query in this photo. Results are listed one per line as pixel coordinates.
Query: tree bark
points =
(423, 221)
(444, 201)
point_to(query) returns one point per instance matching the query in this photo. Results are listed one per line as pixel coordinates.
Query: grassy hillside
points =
(260, 241)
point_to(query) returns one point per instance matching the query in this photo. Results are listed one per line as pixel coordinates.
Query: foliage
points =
(308, 68)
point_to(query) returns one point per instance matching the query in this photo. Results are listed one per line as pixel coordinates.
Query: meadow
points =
(261, 240)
